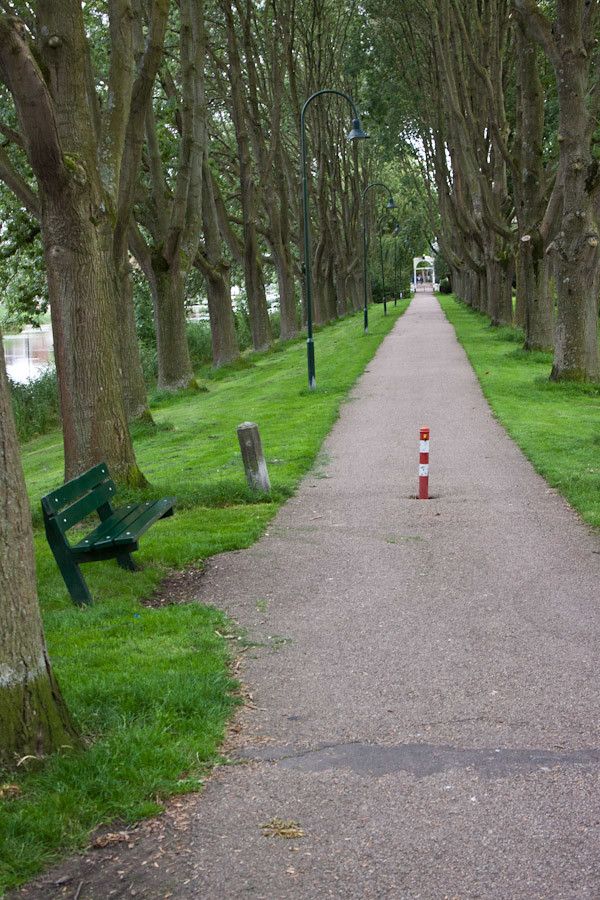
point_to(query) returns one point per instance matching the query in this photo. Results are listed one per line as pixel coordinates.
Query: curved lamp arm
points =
(329, 91)
(382, 184)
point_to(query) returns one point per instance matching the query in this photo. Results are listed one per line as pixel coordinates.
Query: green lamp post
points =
(355, 134)
(389, 205)
(380, 235)
(396, 232)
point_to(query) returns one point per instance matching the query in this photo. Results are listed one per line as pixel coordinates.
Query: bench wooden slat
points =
(160, 509)
(84, 507)
(73, 490)
(106, 528)
(125, 525)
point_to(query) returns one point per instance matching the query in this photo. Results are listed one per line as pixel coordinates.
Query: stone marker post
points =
(253, 457)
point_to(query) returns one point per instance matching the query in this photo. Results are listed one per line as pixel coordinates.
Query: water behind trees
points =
(28, 354)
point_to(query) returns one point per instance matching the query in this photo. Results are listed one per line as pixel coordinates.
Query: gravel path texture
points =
(424, 693)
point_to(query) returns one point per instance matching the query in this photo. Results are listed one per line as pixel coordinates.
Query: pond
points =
(29, 353)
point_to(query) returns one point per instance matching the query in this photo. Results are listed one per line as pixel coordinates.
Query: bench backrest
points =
(70, 504)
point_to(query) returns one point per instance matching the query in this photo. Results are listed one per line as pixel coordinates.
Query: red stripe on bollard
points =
(424, 464)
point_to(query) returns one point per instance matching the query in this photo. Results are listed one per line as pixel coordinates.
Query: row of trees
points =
(160, 135)
(165, 135)
(499, 103)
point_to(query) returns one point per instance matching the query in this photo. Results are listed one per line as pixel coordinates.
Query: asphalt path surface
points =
(424, 689)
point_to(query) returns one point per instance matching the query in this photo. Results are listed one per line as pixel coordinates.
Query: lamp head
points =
(391, 204)
(357, 133)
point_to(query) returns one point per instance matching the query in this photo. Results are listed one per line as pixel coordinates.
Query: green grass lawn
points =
(556, 425)
(150, 689)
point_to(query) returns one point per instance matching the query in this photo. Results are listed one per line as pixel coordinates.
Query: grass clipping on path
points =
(150, 686)
(557, 425)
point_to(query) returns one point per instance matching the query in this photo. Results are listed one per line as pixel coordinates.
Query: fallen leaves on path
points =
(113, 837)
(279, 828)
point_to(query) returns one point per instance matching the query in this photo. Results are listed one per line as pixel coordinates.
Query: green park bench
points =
(115, 537)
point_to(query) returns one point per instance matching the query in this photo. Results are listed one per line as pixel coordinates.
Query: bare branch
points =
(15, 181)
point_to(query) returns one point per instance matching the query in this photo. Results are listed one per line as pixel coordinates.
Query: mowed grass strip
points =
(150, 689)
(557, 425)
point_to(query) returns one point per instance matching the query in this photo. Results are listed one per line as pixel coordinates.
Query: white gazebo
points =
(423, 272)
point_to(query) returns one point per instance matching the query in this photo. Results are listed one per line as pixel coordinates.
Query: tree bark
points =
(576, 351)
(225, 346)
(569, 43)
(534, 305)
(533, 284)
(288, 310)
(130, 92)
(270, 45)
(134, 386)
(260, 326)
(61, 143)
(33, 717)
(499, 290)
(173, 213)
(168, 293)
(81, 285)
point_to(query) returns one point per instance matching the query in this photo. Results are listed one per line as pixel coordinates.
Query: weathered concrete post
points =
(253, 457)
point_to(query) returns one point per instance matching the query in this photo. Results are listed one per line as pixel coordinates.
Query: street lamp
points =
(355, 134)
(380, 235)
(396, 232)
(389, 205)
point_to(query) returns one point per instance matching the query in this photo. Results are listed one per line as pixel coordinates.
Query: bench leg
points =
(69, 569)
(125, 560)
(74, 580)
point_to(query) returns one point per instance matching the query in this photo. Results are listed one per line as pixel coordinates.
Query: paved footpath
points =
(426, 702)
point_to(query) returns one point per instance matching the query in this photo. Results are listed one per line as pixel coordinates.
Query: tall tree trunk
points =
(576, 349)
(174, 210)
(330, 292)
(340, 293)
(533, 283)
(521, 292)
(534, 305)
(134, 386)
(225, 348)
(81, 286)
(61, 145)
(569, 43)
(258, 104)
(322, 283)
(260, 326)
(284, 266)
(477, 287)
(499, 287)
(354, 287)
(33, 717)
(284, 263)
(168, 293)
(576, 344)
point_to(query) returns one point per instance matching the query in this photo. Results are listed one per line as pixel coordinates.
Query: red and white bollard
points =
(424, 465)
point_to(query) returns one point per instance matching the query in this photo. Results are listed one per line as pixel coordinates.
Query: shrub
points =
(199, 342)
(445, 286)
(242, 327)
(35, 405)
(275, 320)
(149, 362)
